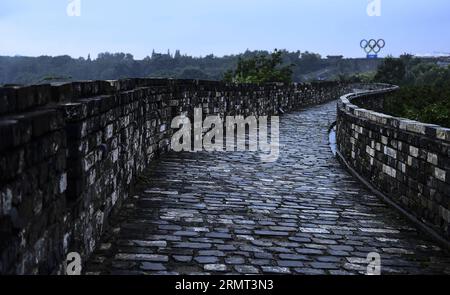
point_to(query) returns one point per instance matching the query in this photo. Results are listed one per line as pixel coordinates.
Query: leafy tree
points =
(177, 54)
(392, 71)
(261, 69)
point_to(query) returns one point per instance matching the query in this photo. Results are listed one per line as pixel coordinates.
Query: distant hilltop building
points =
(335, 57)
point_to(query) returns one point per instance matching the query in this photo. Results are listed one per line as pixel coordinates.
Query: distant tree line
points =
(304, 66)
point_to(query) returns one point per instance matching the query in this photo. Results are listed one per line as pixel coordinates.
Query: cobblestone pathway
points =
(230, 213)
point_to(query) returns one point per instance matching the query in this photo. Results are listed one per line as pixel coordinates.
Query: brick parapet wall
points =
(408, 161)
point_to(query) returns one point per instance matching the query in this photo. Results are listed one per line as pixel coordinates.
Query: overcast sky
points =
(201, 27)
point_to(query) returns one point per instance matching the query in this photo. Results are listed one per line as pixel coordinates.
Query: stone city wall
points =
(71, 152)
(406, 160)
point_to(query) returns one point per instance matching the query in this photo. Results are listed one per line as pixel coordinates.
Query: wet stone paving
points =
(230, 213)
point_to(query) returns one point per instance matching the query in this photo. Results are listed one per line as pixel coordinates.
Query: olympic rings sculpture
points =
(372, 45)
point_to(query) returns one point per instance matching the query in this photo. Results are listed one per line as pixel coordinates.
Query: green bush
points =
(428, 104)
(424, 93)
